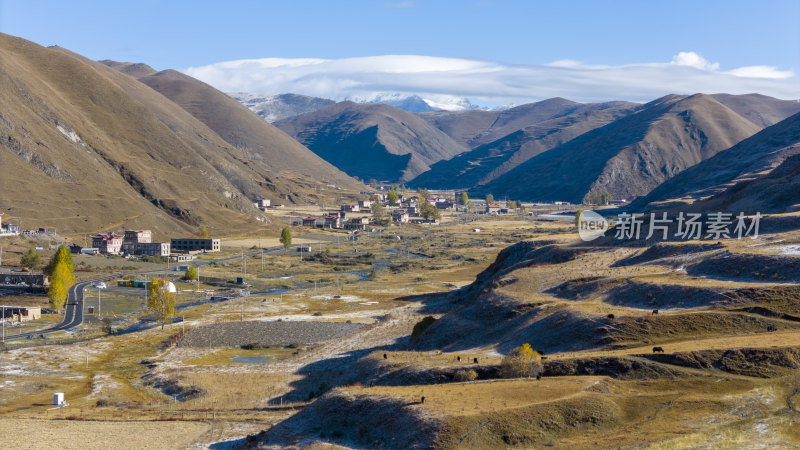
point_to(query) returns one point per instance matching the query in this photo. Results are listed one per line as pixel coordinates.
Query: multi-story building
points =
(151, 248)
(139, 237)
(262, 204)
(195, 245)
(399, 216)
(108, 243)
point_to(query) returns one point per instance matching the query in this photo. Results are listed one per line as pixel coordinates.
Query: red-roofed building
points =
(492, 209)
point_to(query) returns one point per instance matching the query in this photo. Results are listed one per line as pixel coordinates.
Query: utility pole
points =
(87, 355)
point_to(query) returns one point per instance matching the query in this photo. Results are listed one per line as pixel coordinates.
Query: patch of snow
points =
(71, 135)
(793, 250)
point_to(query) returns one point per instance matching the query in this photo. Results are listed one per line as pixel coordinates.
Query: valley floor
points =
(728, 377)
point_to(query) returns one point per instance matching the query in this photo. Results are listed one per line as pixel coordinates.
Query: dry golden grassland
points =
(241, 399)
(481, 397)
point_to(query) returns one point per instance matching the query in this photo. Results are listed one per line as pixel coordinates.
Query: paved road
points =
(73, 315)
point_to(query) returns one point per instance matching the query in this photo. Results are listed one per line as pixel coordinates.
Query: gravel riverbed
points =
(235, 334)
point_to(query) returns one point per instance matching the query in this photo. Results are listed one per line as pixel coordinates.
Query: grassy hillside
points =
(630, 156)
(88, 148)
(372, 141)
(489, 161)
(745, 160)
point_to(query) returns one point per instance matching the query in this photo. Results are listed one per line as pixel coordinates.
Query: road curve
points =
(73, 315)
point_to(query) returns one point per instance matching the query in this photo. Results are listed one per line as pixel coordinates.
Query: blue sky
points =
(181, 34)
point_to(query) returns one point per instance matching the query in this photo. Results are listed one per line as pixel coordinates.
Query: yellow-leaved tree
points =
(161, 300)
(60, 270)
(521, 361)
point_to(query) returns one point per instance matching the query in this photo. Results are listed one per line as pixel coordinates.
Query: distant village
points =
(360, 215)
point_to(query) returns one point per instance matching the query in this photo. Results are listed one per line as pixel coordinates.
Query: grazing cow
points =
(772, 328)
(658, 350)
(539, 376)
(458, 358)
(475, 360)
(385, 356)
(611, 316)
(655, 311)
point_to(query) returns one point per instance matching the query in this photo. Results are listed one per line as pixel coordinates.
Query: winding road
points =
(73, 316)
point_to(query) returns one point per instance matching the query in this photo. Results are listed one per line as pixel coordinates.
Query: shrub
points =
(466, 375)
(521, 361)
(106, 326)
(421, 326)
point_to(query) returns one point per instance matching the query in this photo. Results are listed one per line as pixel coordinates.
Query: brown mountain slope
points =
(775, 192)
(475, 128)
(630, 156)
(372, 141)
(759, 109)
(132, 69)
(243, 129)
(489, 161)
(747, 160)
(86, 148)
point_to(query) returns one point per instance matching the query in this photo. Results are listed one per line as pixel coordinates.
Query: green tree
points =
(161, 301)
(489, 199)
(191, 273)
(600, 198)
(521, 361)
(378, 213)
(393, 198)
(518, 204)
(429, 211)
(286, 238)
(204, 232)
(424, 193)
(421, 326)
(463, 199)
(31, 260)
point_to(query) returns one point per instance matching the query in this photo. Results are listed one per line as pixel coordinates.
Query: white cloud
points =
(761, 72)
(692, 59)
(490, 83)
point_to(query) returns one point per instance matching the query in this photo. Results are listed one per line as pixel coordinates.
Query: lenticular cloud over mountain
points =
(451, 80)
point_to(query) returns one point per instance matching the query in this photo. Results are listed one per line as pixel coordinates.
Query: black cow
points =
(772, 328)
(611, 316)
(423, 399)
(475, 360)
(458, 358)
(655, 311)
(385, 356)
(658, 350)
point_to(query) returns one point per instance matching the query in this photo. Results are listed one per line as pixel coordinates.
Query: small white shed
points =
(58, 398)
